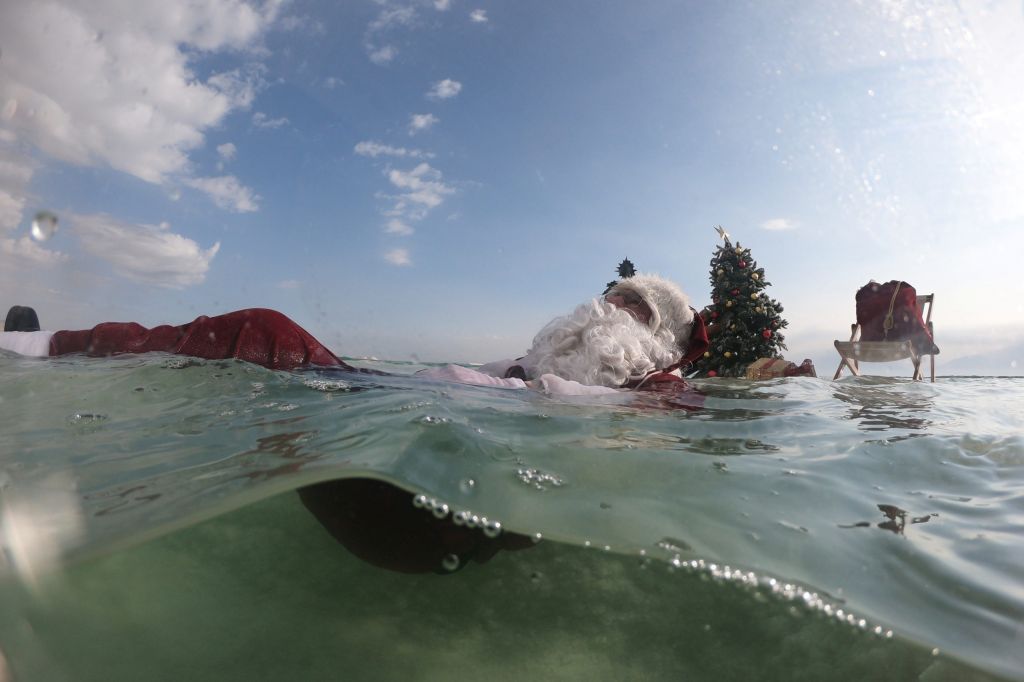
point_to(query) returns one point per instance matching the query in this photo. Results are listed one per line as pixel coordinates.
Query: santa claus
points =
(641, 327)
(636, 334)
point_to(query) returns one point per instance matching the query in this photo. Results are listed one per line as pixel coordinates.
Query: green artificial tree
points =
(744, 324)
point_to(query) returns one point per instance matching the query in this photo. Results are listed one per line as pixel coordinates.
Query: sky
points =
(434, 180)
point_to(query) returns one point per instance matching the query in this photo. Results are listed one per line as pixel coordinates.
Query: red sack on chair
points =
(888, 312)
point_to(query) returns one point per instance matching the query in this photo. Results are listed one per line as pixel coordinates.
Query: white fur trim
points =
(35, 344)
(670, 307)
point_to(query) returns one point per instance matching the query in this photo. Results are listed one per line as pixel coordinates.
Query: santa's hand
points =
(556, 385)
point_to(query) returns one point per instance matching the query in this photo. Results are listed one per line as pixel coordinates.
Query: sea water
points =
(793, 529)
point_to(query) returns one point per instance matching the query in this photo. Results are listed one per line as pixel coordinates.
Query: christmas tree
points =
(743, 323)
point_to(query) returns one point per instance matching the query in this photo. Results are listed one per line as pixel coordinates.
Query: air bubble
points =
(43, 226)
(492, 528)
(467, 485)
(459, 518)
(440, 509)
(420, 501)
(450, 562)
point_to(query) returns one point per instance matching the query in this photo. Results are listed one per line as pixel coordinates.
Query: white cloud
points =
(778, 224)
(398, 257)
(227, 151)
(375, 149)
(478, 16)
(391, 17)
(396, 226)
(227, 193)
(332, 82)
(130, 101)
(288, 284)
(144, 253)
(15, 173)
(261, 120)
(442, 5)
(424, 186)
(444, 89)
(27, 249)
(383, 55)
(420, 122)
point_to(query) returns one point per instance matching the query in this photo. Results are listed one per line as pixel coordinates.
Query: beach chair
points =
(856, 351)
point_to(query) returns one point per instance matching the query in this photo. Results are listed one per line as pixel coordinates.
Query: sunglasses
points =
(628, 297)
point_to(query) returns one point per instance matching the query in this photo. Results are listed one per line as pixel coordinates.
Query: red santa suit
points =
(258, 335)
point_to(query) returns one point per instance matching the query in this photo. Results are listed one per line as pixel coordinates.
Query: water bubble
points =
(460, 518)
(536, 537)
(467, 485)
(450, 562)
(492, 528)
(440, 509)
(43, 226)
(472, 521)
(419, 501)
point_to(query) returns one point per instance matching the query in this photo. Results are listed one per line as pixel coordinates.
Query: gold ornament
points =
(707, 354)
(727, 354)
(732, 327)
(758, 309)
(721, 273)
(753, 295)
(754, 276)
(739, 251)
(728, 304)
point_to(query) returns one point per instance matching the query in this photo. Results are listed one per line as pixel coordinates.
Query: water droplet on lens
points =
(450, 562)
(43, 226)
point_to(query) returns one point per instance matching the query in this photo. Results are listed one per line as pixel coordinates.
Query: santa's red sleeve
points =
(258, 335)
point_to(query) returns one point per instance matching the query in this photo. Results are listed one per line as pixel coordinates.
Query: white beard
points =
(599, 345)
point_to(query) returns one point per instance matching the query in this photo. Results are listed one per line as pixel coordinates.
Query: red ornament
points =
(767, 333)
(714, 314)
(742, 264)
(735, 292)
(712, 373)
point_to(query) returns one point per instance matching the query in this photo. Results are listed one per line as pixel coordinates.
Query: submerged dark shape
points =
(21, 318)
(378, 523)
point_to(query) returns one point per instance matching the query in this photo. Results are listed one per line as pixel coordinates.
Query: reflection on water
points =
(896, 519)
(889, 406)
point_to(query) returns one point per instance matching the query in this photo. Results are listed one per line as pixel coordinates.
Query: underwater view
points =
(160, 522)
